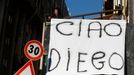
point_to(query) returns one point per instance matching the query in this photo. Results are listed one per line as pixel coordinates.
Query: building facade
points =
(20, 22)
(120, 5)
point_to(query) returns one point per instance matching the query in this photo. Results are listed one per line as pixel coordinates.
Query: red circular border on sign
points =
(26, 52)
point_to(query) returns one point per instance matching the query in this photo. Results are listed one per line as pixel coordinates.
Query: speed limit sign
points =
(33, 50)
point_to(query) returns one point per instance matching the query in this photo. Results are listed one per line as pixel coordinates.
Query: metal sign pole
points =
(43, 33)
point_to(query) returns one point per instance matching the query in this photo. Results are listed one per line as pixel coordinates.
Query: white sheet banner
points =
(87, 47)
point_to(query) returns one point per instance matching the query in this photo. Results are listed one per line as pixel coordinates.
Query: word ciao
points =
(94, 58)
(99, 28)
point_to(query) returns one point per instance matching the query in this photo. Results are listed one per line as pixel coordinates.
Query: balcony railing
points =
(94, 13)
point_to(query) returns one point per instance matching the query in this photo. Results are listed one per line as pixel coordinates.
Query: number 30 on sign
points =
(33, 50)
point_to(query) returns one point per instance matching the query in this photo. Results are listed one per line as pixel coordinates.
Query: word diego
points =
(99, 28)
(95, 58)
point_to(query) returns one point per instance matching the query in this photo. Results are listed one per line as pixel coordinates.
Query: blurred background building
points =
(20, 22)
(112, 9)
(25, 20)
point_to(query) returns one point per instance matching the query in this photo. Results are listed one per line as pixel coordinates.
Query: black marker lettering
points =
(116, 68)
(62, 23)
(100, 28)
(50, 63)
(79, 60)
(95, 57)
(117, 34)
(80, 28)
(68, 59)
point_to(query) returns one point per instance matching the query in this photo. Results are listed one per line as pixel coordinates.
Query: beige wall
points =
(124, 4)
